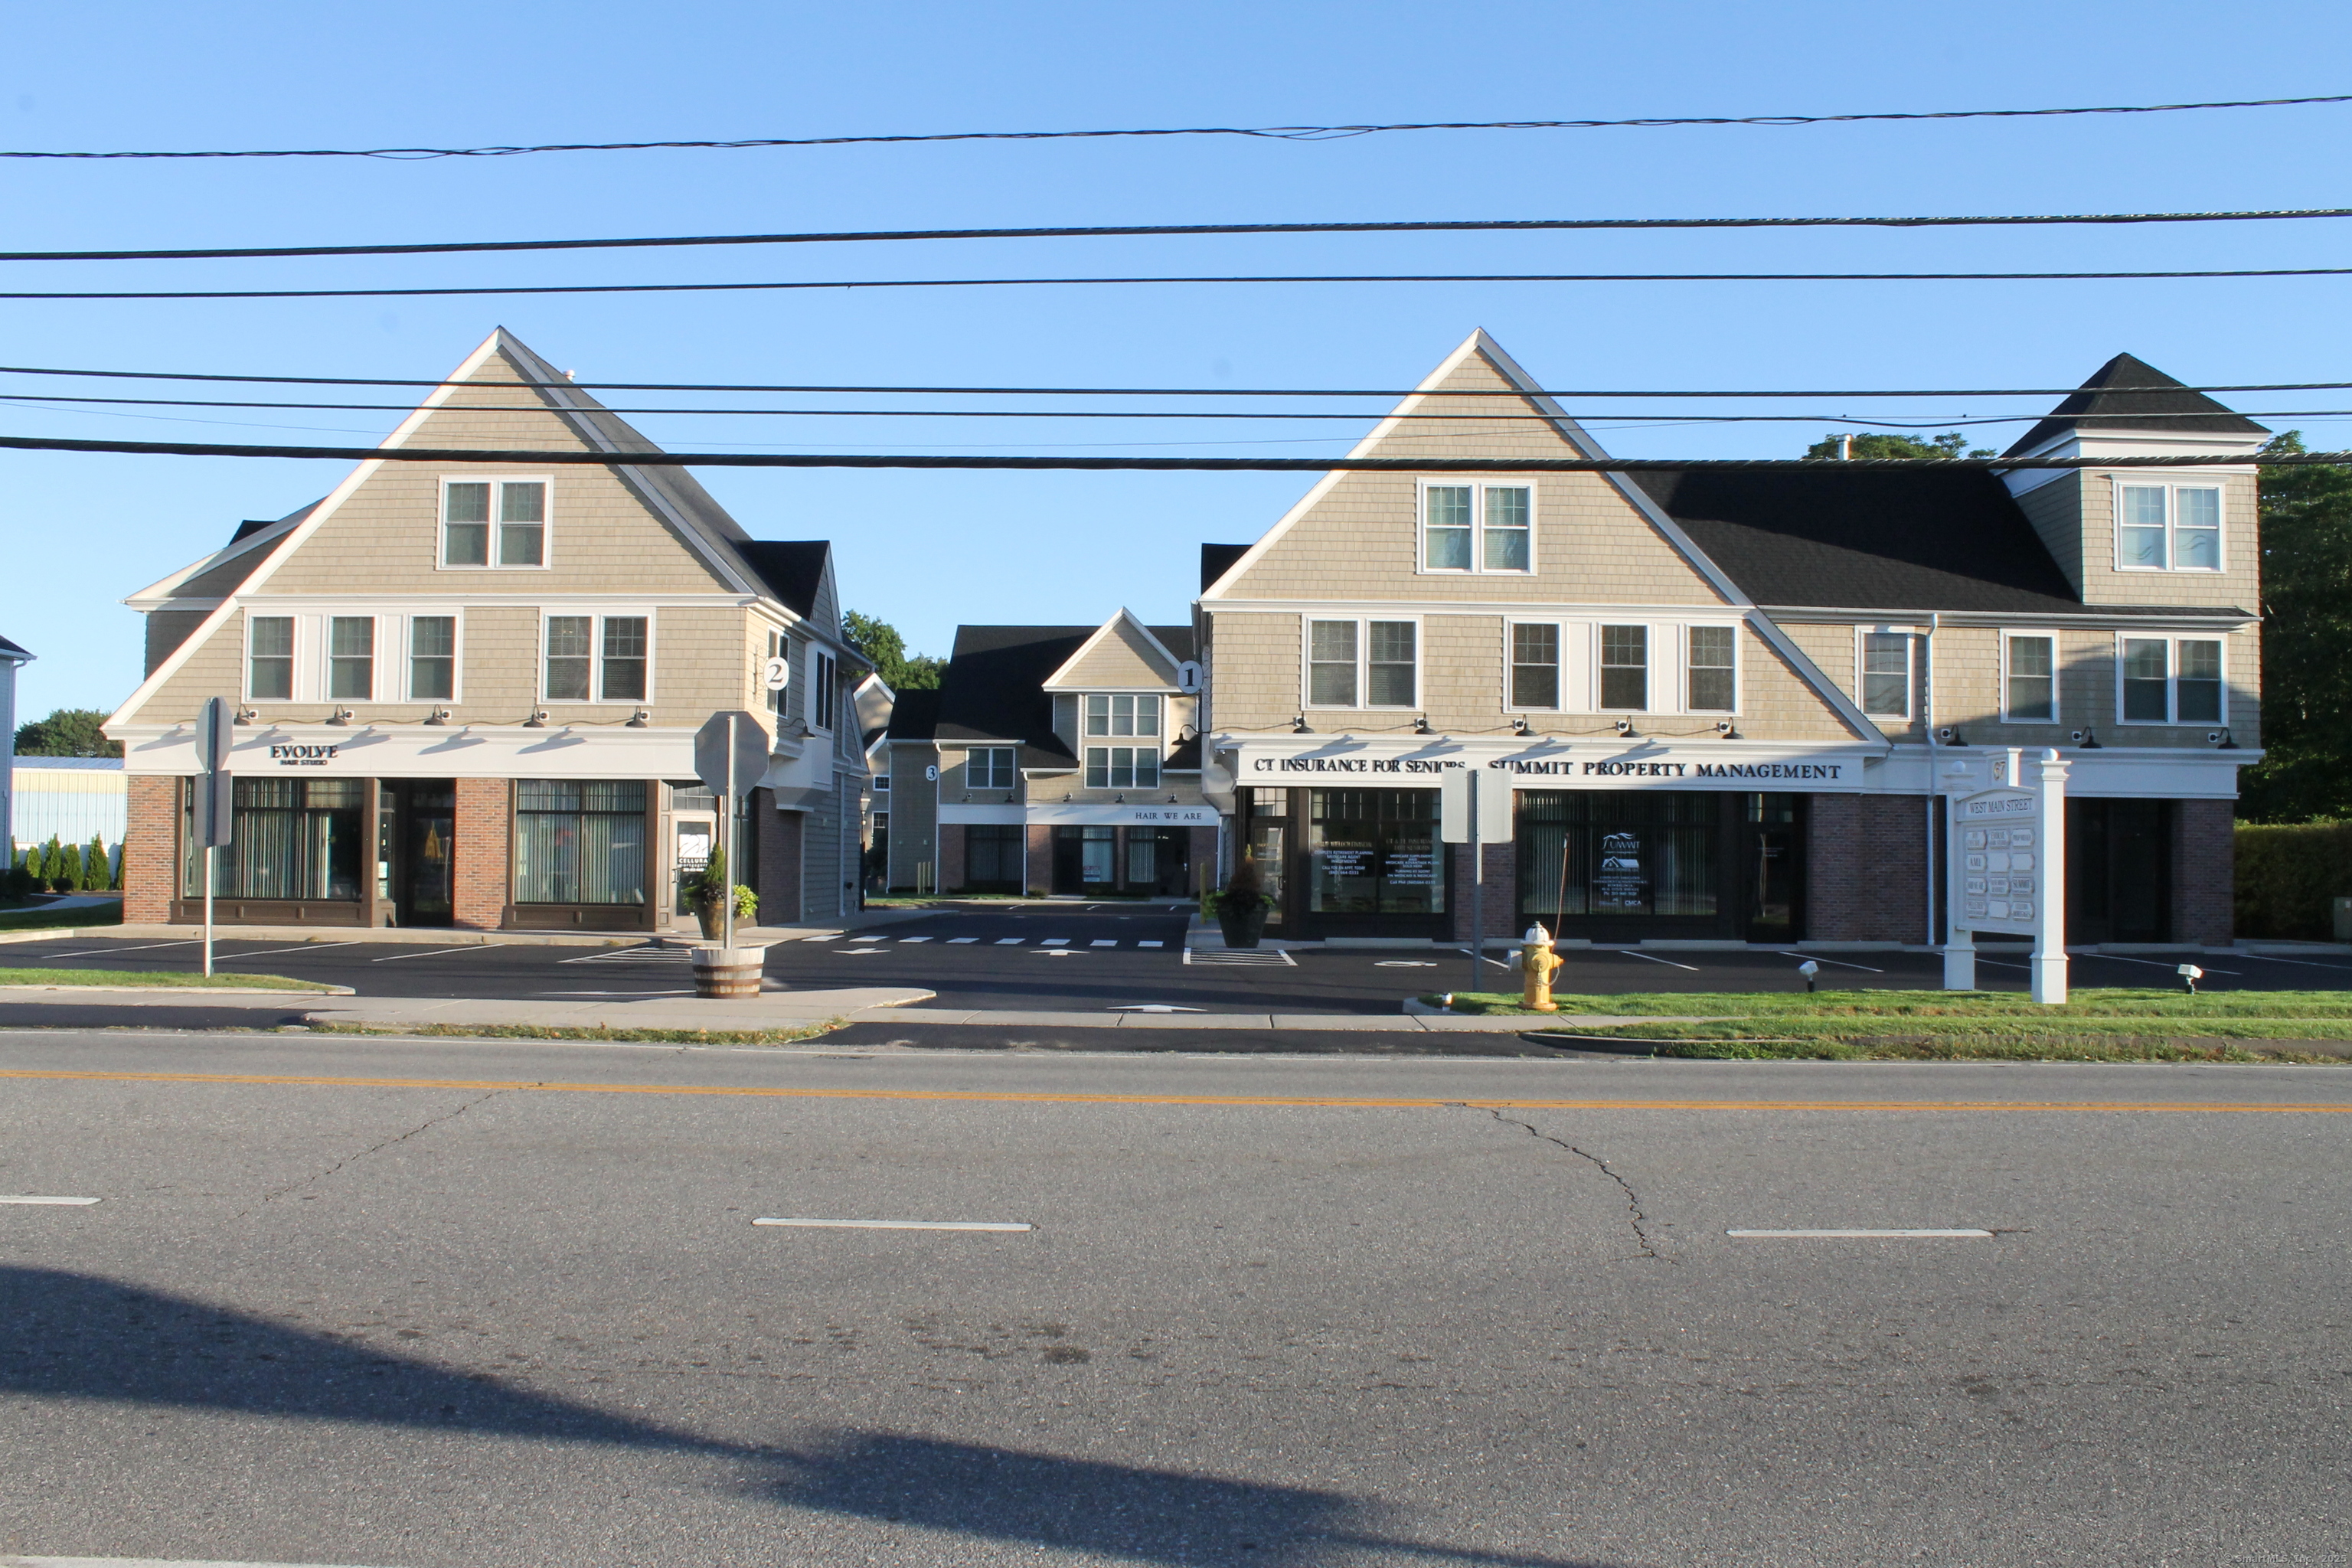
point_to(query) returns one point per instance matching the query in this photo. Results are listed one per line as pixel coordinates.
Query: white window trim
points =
(2057, 671)
(597, 615)
(2171, 488)
(324, 659)
(1160, 736)
(1480, 484)
(547, 526)
(823, 684)
(1738, 665)
(1910, 636)
(1564, 667)
(1001, 746)
(294, 676)
(1363, 666)
(1650, 668)
(1108, 745)
(2172, 720)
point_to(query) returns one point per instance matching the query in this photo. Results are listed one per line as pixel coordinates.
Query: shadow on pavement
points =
(77, 1336)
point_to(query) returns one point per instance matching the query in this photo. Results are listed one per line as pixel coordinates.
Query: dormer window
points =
(1110, 713)
(2167, 528)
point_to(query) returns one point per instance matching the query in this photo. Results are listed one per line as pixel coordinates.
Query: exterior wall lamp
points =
(438, 718)
(1299, 726)
(340, 716)
(538, 720)
(640, 719)
(1519, 726)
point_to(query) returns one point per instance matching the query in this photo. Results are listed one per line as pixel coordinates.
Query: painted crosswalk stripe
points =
(1010, 940)
(1054, 941)
(909, 939)
(1103, 941)
(1151, 945)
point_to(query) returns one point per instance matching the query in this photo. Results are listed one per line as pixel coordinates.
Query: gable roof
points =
(10, 650)
(2108, 401)
(1216, 560)
(994, 688)
(1866, 539)
(792, 570)
(1067, 673)
(915, 715)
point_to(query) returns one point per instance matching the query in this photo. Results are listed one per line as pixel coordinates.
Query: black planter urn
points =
(1242, 926)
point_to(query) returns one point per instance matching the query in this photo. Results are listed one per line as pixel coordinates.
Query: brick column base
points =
(150, 849)
(1866, 868)
(1502, 894)
(1040, 877)
(484, 853)
(779, 833)
(2204, 872)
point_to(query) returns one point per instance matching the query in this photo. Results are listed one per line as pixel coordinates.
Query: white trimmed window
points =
(494, 521)
(988, 767)
(1535, 667)
(1624, 669)
(350, 659)
(1712, 677)
(1884, 674)
(1122, 767)
(2171, 681)
(1362, 664)
(598, 659)
(2029, 678)
(1122, 713)
(824, 693)
(432, 658)
(269, 659)
(2167, 528)
(1477, 527)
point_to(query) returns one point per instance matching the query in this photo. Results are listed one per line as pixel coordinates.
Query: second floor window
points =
(2030, 687)
(824, 694)
(1110, 713)
(269, 652)
(432, 657)
(1714, 672)
(494, 522)
(2172, 681)
(2161, 528)
(1477, 527)
(1535, 667)
(1625, 668)
(988, 767)
(1886, 674)
(589, 663)
(1122, 767)
(350, 657)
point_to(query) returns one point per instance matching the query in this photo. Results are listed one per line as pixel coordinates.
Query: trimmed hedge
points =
(2289, 876)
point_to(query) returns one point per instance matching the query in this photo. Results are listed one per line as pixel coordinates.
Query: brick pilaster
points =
(483, 853)
(779, 859)
(952, 860)
(1502, 892)
(150, 849)
(2204, 872)
(1041, 858)
(1866, 868)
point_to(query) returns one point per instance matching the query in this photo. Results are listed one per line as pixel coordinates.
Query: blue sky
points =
(928, 550)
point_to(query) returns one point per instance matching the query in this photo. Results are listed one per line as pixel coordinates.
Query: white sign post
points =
(214, 795)
(731, 753)
(2007, 854)
(1471, 813)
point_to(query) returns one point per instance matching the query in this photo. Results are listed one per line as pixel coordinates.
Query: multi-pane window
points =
(988, 767)
(1112, 713)
(1625, 668)
(824, 680)
(2031, 692)
(432, 657)
(350, 657)
(501, 522)
(1122, 767)
(270, 656)
(780, 646)
(1714, 670)
(1477, 527)
(1886, 674)
(1331, 664)
(1392, 662)
(623, 661)
(2161, 526)
(2168, 680)
(1535, 667)
(579, 841)
(586, 662)
(290, 839)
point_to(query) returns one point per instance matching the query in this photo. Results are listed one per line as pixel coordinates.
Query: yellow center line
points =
(1000, 1097)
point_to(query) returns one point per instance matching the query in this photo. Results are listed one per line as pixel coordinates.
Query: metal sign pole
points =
(727, 892)
(1478, 892)
(208, 903)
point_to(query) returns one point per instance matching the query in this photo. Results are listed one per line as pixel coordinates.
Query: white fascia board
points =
(2186, 617)
(155, 594)
(294, 538)
(2094, 444)
(1515, 609)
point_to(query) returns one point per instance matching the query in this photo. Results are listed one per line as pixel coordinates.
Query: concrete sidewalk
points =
(450, 936)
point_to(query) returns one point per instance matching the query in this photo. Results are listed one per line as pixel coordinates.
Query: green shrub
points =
(36, 869)
(2289, 875)
(67, 877)
(95, 865)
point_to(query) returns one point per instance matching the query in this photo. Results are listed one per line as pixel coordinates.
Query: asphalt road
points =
(514, 1310)
(1091, 958)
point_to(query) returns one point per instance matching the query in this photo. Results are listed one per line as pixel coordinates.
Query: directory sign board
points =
(1998, 862)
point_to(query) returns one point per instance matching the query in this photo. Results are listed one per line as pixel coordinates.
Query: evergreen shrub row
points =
(2289, 876)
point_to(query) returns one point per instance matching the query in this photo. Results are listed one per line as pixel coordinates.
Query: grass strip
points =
(1970, 1048)
(46, 919)
(619, 1037)
(151, 979)
(1789, 1007)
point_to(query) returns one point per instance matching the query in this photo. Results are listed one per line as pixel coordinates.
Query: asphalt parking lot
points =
(1085, 958)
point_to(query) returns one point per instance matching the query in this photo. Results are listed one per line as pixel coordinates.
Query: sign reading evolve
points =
(2006, 854)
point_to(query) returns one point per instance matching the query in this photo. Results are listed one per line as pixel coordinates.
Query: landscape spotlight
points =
(1810, 970)
(2190, 976)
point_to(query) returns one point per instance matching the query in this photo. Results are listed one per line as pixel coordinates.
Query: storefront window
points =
(291, 838)
(1098, 859)
(579, 841)
(1611, 854)
(1374, 851)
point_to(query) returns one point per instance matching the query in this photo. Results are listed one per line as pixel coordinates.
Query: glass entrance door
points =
(416, 829)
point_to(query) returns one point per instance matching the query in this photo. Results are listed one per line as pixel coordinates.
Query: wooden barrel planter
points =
(729, 972)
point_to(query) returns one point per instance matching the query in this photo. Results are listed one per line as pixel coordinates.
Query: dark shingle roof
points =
(11, 650)
(994, 686)
(1216, 560)
(792, 569)
(2098, 405)
(915, 716)
(1864, 539)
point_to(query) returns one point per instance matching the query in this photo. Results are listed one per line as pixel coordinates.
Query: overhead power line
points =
(527, 457)
(1113, 231)
(1274, 133)
(815, 388)
(849, 283)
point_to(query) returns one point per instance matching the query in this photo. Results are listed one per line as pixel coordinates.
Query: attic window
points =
(474, 509)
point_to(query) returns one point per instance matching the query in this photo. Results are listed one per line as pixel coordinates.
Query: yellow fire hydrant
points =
(1536, 962)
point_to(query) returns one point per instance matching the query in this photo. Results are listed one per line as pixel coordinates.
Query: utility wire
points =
(1156, 391)
(1277, 133)
(1429, 225)
(69, 404)
(1066, 282)
(527, 457)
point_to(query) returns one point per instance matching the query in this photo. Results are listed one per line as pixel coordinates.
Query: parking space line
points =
(304, 947)
(2266, 958)
(2152, 963)
(68, 1203)
(1653, 957)
(142, 947)
(436, 952)
(1817, 958)
(1495, 962)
